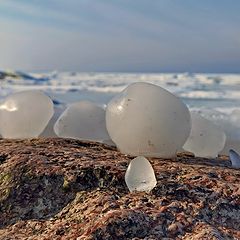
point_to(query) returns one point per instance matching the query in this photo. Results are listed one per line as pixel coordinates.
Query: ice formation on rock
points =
(234, 158)
(25, 114)
(82, 120)
(206, 138)
(147, 120)
(140, 175)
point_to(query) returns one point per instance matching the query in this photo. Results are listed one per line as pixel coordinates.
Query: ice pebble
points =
(206, 138)
(147, 120)
(25, 114)
(82, 120)
(140, 175)
(234, 158)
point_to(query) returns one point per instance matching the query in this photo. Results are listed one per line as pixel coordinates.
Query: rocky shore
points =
(69, 189)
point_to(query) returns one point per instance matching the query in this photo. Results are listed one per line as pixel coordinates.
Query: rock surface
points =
(70, 189)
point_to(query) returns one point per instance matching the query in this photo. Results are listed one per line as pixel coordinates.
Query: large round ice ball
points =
(25, 114)
(82, 120)
(206, 138)
(147, 120)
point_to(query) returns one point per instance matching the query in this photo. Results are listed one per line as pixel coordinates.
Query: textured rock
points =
(70, 189)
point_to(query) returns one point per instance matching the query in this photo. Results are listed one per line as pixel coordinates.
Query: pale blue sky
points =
(120, 35)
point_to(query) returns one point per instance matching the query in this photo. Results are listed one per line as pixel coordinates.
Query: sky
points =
(120, 35)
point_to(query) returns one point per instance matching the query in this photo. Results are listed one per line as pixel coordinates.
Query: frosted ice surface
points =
(206, 138)
(235, 158)
(25, 114)
(82, 120)
(140, 175)
(147, 120)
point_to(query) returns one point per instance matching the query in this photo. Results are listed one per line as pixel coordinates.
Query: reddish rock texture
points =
(69, 189)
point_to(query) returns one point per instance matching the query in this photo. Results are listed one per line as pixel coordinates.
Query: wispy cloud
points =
(103, 35)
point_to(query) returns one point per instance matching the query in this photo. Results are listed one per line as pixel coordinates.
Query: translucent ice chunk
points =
(206, 138)
(235, 117)
(82, 120)
(25, 114)
(230, 124)
(235, 158)
(140, 175)
(147, 120)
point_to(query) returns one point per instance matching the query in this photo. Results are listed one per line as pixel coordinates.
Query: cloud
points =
(118, 36)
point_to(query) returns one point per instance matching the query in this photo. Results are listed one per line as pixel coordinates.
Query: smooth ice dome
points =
(82, 120)
(25, 114)
(147, 120)
(140, 175)
(206, 138)
(234, 158)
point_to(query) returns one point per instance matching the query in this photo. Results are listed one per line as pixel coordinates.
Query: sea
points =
(220, 92)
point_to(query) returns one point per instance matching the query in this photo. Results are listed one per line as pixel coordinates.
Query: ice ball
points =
(234, 158)
(25, 114)
(82, 120)
(235, 117)
(140, 175)
(229, 124)
(147, 120)
(206, 138)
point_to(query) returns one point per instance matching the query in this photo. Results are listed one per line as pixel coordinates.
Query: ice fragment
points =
(140, 175)
(235, 158)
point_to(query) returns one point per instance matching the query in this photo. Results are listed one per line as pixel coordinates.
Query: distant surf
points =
(220, 92)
